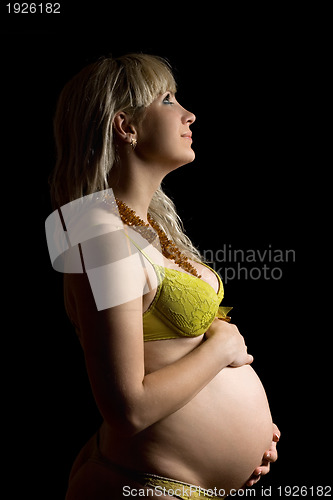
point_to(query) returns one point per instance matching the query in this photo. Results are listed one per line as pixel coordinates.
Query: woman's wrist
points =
(220, 350)
(228, 344)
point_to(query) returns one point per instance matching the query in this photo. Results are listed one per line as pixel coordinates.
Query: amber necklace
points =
(169, 249)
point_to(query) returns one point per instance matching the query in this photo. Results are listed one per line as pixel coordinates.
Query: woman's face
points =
(164, 136)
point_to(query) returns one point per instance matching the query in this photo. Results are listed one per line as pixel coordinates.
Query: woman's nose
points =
(188, 117)
(191, 118)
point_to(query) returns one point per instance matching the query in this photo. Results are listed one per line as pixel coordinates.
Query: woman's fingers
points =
(276, 433)
(254, 478)
(269, 457)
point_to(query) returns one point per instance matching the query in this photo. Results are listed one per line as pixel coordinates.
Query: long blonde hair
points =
(83, 129)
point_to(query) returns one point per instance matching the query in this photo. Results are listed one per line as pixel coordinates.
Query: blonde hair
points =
(83, 129)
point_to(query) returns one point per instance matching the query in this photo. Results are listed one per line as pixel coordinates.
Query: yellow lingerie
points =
(184, 305)
(178, 489)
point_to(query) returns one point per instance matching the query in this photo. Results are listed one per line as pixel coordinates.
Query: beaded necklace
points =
(169, 249)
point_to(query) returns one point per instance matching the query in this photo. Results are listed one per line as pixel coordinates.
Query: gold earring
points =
(133, 143)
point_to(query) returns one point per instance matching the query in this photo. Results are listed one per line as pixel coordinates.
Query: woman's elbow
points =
(136, 421)
(128, 422)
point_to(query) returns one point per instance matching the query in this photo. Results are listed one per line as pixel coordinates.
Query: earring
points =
(133, 143)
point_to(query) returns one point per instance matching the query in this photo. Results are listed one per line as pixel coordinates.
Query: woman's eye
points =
(167, 100)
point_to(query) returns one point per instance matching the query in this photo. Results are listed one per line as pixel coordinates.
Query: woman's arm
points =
(114, 351)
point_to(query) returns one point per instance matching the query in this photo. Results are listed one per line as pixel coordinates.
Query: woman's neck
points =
(135, 187)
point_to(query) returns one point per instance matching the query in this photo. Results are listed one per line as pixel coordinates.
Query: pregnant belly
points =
(218, 438)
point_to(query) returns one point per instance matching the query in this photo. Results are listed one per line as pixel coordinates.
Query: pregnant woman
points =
(184, 414)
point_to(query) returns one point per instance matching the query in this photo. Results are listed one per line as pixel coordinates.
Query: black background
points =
(247, 75)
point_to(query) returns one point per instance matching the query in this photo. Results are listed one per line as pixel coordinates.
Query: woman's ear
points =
(123, 127)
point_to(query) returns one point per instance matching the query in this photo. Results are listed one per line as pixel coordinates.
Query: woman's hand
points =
(269, 457)
(230, 342)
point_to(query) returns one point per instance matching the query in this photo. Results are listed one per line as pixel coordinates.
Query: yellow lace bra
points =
(184, 305)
